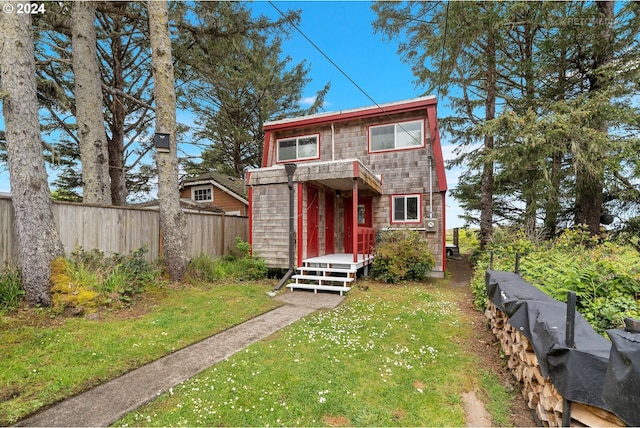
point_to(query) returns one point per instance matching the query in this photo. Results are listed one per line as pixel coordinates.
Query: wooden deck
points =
(331, 272)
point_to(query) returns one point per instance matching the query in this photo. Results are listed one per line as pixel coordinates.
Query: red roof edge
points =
(359, 113)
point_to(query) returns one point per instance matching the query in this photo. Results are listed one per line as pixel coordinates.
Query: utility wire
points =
(343, 72)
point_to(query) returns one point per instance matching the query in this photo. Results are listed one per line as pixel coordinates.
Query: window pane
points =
(381, 137)
(286, 150)
(398, 209)
(412, 208)
(361, 218)
(409, 134)
(308, 147)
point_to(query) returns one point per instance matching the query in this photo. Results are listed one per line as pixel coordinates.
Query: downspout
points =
(430, 186)
(290, 168)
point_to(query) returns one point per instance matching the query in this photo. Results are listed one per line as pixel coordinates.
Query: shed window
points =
(305, 147)
(405, 209)
(396, 136)
(202, 194)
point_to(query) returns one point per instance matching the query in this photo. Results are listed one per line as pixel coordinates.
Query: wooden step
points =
(325, 269)
(316, 287)
(321, 278)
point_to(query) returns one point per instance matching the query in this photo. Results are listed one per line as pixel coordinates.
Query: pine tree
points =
(38, 239)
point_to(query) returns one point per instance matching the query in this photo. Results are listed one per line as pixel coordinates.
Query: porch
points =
(331, 272)
(336, 272)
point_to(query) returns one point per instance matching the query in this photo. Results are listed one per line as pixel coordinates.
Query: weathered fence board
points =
(123, 230)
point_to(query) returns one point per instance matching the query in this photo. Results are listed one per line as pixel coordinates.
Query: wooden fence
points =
(122, 230)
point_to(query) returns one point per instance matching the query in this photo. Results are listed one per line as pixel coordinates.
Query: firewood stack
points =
(538, 392)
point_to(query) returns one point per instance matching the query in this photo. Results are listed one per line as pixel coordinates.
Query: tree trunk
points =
(552, 205)
(38, 239)
(96, 188)
(172, 219)
(590, 179)
(486, 190)
(117, 171)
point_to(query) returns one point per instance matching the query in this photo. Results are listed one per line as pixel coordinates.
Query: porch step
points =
(316, 287)
(319, 282)
(322, 278)
(346, 271)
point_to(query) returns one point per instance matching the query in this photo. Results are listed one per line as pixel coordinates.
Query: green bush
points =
(239, 265)
(604, 275)
(89, 278)
(401, 255)
(11, 291)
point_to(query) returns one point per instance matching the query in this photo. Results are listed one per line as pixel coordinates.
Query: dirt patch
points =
(486, 347)
(336, 421)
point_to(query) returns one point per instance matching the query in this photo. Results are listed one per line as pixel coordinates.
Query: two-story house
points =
(356, 172)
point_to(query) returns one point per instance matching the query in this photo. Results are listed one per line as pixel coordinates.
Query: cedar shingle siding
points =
(401, 172)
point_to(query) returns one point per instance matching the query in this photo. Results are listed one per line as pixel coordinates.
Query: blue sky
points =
(343, 31)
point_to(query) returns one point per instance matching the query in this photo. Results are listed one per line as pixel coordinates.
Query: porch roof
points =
(338, 175)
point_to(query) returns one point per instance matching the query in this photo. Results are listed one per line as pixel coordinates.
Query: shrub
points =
(239, 265)
(402, 255)
(604, 275)
(11, 291)
(89, 279)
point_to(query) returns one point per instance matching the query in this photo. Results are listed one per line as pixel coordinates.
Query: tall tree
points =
(125, 71)
(96, 187)
(172, 219)
(463, 40)
(234, 80)
(38, 239)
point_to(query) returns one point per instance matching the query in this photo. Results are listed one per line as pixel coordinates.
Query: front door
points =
(313, 210)
(365, 219)
(329, 246)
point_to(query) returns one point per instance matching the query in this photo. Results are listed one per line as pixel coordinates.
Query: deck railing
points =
(366, 240)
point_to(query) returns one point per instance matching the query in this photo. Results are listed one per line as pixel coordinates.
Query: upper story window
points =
(297, 148)
(202, 193)
(396, 136)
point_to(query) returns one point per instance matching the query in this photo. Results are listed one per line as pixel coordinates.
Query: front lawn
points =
(47, 357)
(388, 356)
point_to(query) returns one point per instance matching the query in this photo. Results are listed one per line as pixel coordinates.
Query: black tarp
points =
(622, 385)
(584, 373)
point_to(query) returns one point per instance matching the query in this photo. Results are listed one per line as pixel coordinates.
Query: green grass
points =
(47, 358)
(388, 356)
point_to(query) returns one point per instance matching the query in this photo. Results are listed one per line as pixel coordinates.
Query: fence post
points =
(517, 270)
(570, 342)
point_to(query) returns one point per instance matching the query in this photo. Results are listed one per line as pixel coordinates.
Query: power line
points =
(341, 70)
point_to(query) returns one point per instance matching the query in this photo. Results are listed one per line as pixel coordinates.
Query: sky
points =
(343, 31)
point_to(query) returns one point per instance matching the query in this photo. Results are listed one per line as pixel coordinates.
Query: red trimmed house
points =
(357, 172)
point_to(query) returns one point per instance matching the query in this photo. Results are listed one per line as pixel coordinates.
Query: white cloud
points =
(308, 100)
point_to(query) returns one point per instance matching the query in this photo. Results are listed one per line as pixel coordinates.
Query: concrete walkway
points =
(105, 404)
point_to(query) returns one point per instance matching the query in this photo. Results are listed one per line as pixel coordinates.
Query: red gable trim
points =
(265, 149)
(437, 149)
(364, 113)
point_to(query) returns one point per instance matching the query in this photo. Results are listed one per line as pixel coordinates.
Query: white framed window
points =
(406, 208)
(202, 193)
(396, 136)
(296, 148)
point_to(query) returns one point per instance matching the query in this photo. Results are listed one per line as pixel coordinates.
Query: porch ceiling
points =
(337, 175)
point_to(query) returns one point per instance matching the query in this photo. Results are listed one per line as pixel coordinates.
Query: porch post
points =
(354, 214)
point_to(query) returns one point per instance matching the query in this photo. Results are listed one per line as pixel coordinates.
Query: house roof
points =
(232, 185)
(356, 113)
